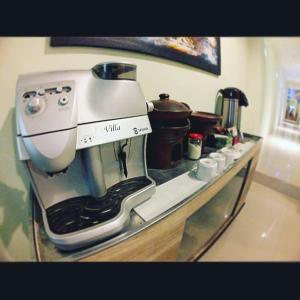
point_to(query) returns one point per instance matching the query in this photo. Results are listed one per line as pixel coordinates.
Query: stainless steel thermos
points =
(228, 104)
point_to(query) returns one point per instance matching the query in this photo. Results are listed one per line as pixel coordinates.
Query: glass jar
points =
(194, 145)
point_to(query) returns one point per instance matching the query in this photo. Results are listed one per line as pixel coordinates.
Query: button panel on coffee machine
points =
(48, 107)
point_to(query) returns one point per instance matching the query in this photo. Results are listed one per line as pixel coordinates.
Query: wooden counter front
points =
(160, 241)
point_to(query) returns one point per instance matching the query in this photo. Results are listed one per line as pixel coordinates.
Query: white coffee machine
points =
(82, 136)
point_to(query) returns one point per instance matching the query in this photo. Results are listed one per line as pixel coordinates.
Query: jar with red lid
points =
(194, 145)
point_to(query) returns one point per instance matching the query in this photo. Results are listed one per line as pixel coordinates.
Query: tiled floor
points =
(268, 227)
(280, 156)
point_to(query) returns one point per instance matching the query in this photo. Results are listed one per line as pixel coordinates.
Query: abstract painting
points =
(200, 52)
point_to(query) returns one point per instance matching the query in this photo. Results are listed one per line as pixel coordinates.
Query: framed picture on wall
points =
(200, 52)
(292, 107)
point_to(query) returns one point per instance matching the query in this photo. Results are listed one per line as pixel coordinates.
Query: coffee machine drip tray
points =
(82, 212)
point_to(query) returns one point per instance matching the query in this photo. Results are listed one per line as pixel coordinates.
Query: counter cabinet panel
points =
(203, 226)
(155, 243)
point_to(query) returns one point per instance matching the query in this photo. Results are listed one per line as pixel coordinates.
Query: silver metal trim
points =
(92, 158)
(21, 149)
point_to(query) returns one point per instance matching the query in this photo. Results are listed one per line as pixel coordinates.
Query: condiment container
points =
(194, 145)
(222, 140)
(220, 159)
(207, 169)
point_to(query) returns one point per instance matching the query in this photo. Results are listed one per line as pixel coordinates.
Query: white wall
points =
(273, 78)
(242, 66)
(255, 81)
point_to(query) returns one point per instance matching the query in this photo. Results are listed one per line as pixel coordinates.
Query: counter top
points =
(147, 213)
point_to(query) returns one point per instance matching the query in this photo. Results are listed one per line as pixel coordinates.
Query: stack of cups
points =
(220, 159)
(207, 169)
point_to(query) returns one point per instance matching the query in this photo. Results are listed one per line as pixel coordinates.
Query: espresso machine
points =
(82, 136)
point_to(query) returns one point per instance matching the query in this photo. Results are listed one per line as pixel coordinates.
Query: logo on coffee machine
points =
(138, 130)
(112, 128)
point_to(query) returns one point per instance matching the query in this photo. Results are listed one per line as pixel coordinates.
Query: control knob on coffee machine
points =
(34, 105)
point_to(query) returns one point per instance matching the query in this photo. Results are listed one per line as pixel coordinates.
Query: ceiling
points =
(288, 53)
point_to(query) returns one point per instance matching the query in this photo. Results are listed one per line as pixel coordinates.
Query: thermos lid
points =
(231, 93)
(235, 93)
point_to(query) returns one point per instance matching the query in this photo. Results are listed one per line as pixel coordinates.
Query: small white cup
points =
(220, 159)
(207, 169)
(230, 155)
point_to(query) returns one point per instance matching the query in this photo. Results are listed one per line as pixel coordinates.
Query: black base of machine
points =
(81, 212)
